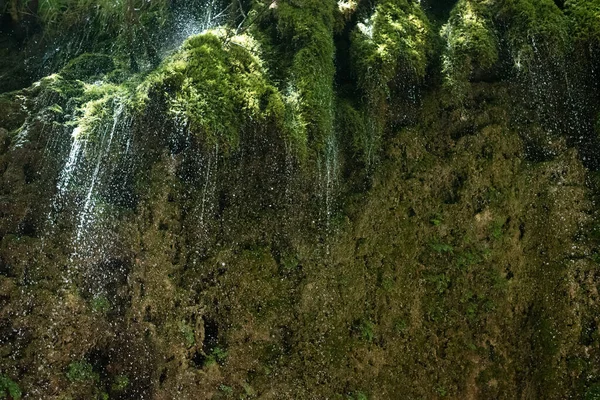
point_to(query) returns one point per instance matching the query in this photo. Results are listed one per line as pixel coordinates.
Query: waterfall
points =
(102, 150)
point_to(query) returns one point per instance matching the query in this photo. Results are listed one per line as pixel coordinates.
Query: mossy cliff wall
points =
(357, 200)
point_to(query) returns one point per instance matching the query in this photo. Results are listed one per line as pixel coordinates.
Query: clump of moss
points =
(187, 332)
(353, 123)
(218, 89)
(81, 371)
(537, 30)
(9, 388)
(584, 19)
(393, 46)
(88, 66)
(100, 304)
(395, 39)
(307, 30)
(472, 45)
(120, 383)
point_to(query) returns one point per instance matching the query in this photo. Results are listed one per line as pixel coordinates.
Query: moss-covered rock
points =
(184, 256)
(585, 20)
(394, 42)
(306, 29)
(389, 52)
(537, 31)
(88, 67)
(218, 90)
(471, 46)
(9, 388)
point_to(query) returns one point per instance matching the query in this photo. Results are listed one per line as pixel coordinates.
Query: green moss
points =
(307, 30)
(227, 390)
(390, 49)
(217, 89)
(88, 66)
(366, 330)
(9, 388)
(81, 371)
(593, 393)
(218, 355)
(471, 45)
(120, 383)
(396, 39)
(537, 31)
(188, 334)
(584, 16)
(353, 124)
(100, 304)
(127, 18)
(358, 395)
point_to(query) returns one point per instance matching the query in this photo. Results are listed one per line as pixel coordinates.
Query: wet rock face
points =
(334, 202)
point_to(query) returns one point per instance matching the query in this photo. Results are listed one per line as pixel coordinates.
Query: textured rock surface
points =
(361, 200)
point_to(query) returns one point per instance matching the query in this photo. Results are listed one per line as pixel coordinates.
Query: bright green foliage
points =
(471, 45)
(98, 104)
(537, 30)
(228, 390)
(396, 39)
(392, 46)
(367, 331)
(8, 387)
(217, 89)
(584, 16)
(358, 396)
(81, 371)
(307, 28)
(219, 354)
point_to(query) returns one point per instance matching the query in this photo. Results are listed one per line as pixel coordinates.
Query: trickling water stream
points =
(100, 154)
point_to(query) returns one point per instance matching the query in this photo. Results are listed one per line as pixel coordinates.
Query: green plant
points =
(81, 371)
(358, 395)
(228, 390)
(188, 334)
(440, 247)
(120, 383)
(367, 330)
(9, 388)
(88, 66)
(471, 45)
(307, 30)
(390, 49)
(217, 89)
(593, 393)
(100, 304)
(537, 31)
(441, 391)
(217, 355)
(497, 228)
